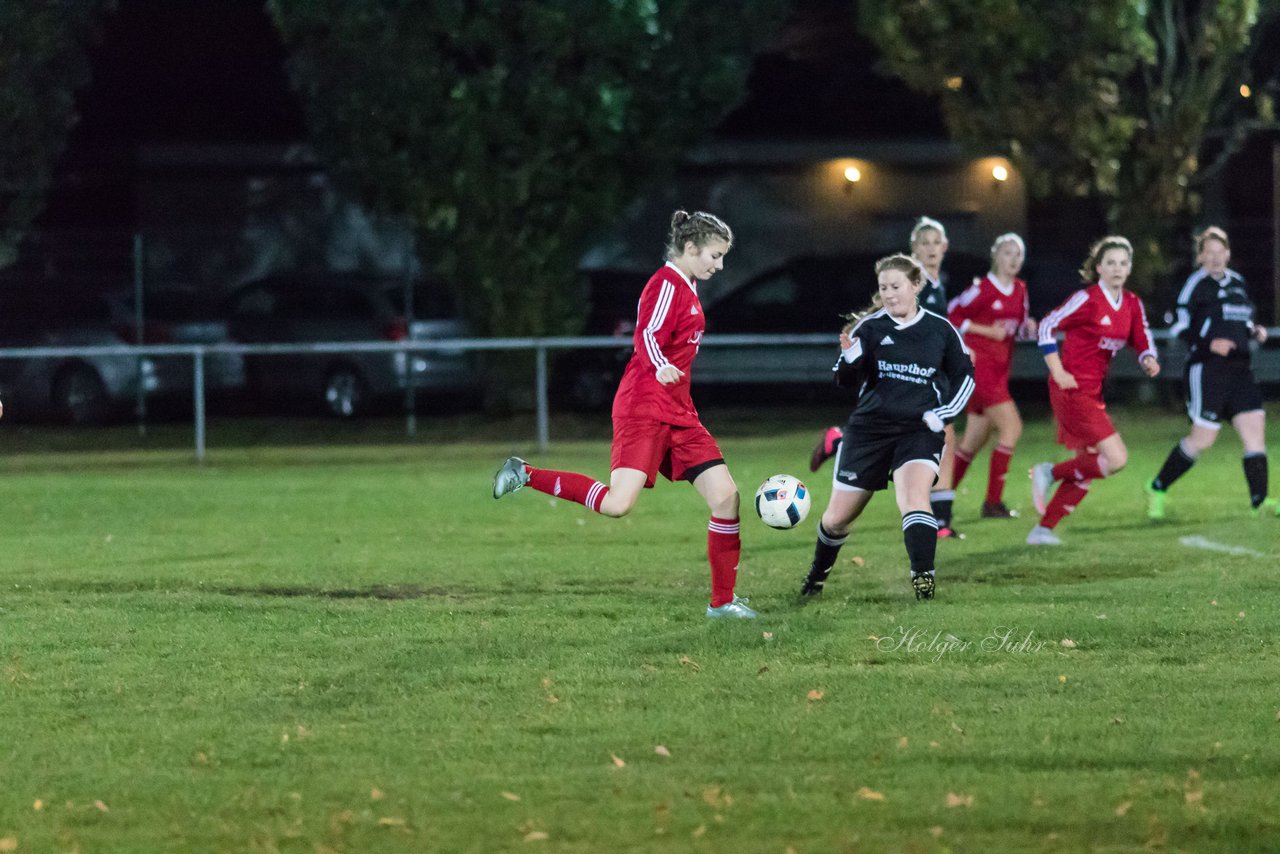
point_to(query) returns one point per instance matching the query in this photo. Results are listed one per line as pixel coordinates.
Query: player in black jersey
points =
(929, 244)
(913, 376)
(1215, 318)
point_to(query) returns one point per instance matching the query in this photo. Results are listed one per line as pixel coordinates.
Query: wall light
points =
(1245, 91)
(1000, 173)
(852, 174)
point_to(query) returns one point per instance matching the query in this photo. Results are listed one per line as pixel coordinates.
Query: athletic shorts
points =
(991, 386)
(1219, 390)
(653, 447)
(868, 460)
(1082, 417)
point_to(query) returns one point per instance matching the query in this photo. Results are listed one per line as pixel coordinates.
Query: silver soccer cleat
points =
(1041, 481)
(510, 477)
(1042, 536)
(736, 608)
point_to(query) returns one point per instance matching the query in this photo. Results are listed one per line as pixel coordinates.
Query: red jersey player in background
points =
(990, 314)
(655, 426)
(1097, 321)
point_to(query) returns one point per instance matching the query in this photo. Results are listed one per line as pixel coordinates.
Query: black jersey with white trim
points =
(1210, 308)
(905, 370)
(933, 296)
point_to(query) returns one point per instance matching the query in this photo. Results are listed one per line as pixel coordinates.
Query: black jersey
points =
(933, 296)
(1210, 308)
(905, 370)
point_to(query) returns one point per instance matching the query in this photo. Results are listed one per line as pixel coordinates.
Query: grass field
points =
(335, 641)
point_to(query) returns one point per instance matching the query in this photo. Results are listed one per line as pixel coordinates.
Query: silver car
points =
(299, 308)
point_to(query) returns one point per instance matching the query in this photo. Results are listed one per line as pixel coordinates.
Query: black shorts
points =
(1219, 390)
(868, 459)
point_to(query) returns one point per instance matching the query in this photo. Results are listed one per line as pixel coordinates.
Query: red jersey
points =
(669, 327)
(987, 302)
(1096, 327)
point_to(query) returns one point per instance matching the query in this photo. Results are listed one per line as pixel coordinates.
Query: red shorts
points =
(654, 447)
(991, 386)
(1082, 417)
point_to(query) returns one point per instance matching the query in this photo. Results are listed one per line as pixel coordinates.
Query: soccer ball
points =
(782, 501)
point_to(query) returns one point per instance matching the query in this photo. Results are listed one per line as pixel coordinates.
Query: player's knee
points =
(725, 505)
(617, 504)
(1115, 460)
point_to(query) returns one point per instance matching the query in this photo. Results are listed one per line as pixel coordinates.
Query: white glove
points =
(935, 423)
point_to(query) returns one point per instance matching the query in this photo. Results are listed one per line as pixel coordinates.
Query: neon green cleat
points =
(1155, 501)
(1269, 507)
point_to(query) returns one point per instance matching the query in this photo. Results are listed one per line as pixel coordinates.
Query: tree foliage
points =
(43, 62)
(1108, 98)
(508, 132)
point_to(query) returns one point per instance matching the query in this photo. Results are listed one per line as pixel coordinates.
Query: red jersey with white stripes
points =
(1095, 327)
(988, 303)
(669, 327)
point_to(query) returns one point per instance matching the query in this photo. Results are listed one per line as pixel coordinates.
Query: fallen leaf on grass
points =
(391, 821)
(376, 794)
(954, 800)
(1068, 643)
(100, 806)
(8, 843)
(858, 560)
(662, 751)
(902, 742)
(1123, 809)
(1194, 797)
(713, 796)
(511, 796)
(767, 635)
(955, 726)
(688, 662)
(869, 794)
(38, 805)
(699, 831)
(1062, 680)
(617, 761)
(762, 670)
(1240, 615)
(815, 695)
(536, 836)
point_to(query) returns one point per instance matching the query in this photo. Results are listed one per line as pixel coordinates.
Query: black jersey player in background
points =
(913, 376)
(1215, 318)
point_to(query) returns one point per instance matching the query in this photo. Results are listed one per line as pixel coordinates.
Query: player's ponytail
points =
(699, 227)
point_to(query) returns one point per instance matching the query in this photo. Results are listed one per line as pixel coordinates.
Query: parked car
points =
(75, 389)
(302, 308)
(180, 315)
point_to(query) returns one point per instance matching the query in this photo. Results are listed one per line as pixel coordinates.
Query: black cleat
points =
(923, 584)
(999, 510)
(813, 585)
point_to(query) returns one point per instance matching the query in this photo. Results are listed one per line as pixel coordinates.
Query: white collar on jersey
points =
(920, 311)
(692, 284)
(1000, 285)
(1106, 294)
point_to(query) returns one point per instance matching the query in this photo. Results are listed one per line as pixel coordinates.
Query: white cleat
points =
(736, 608)
(1041, 481)
(510, 477)
(1042, 536)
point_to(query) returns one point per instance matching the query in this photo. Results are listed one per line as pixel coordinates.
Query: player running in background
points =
(656, 428)
(928, 246)
(991, 314)
(1097, 321)
(914, 376)
(1215, 318)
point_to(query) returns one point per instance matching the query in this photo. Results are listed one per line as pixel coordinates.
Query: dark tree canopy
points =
(43, 62)
(508, 132)
(1108, 98)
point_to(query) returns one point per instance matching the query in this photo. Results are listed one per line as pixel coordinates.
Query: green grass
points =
(335, 640)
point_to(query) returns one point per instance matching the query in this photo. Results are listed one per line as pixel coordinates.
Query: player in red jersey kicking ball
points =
(656, 428)
(1097, 321)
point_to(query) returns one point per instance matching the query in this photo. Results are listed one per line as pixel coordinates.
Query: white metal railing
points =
(541, 346)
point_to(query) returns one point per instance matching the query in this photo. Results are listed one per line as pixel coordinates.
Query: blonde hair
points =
(698, 227)
(1211, 232)
(1089, 270)
(904, 264)
(1008, 237)
(924, 224)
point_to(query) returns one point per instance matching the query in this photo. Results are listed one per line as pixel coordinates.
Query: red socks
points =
(724, 547)
(1085, 466)
(1000, 456)
(1068, 497)
(569, 485)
